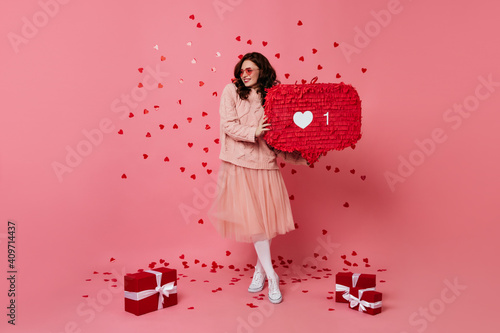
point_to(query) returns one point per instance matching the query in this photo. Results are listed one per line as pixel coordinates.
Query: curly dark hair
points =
(267, 76)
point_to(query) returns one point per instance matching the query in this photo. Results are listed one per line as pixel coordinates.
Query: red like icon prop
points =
(313, 118)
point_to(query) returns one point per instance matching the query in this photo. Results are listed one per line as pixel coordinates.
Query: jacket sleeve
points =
(294, 158)
(230, 122)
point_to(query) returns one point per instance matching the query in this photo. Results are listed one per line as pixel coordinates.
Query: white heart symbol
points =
(303, 119)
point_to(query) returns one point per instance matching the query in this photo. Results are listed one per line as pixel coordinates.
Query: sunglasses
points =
(248, 71)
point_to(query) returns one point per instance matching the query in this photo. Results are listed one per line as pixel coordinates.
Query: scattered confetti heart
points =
(175, 126)
(294, 171)
(287, 75)
(163, 58)
(335, 44)
(228, 253)
(277, 55)
(148, 135)
(209, 171)
(348, 263)
(328, 167)
(145, 156)
(324, 232)
(367, 265)
(301, 58)
(120, 131)
(252, 305)
(146, 111)
(320, 67)
(216, 141)
(130, 115)
(299, 23)
(207, 127)
(124, 176)
(338, 76)
(160, 85)
(354, 253)
(292, 197)
(193, 176)
(249, 42)
(198, 25)
(346, 205)
(200, 221)
(264, 43)
(337, 170)
(191, 17)
(330, 309)
(314, 51)
(182, 170)
(191, 308)
(363, 70)
(343, 256)
(140, 69)
(201, 83)
(205, 149)
(190, 144)
(204, 114)
(363, 177)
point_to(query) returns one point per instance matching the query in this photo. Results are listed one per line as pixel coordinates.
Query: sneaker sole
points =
(277, 301)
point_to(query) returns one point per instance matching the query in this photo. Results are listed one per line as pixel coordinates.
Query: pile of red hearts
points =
(313, 118)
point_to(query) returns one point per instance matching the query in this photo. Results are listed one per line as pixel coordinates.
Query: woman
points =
(252, 204)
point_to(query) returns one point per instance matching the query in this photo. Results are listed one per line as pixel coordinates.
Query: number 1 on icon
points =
(326, 114)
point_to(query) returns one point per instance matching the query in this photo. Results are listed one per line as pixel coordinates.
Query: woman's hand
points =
(262, 127)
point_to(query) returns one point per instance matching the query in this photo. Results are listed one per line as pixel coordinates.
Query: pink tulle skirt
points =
(250, 204)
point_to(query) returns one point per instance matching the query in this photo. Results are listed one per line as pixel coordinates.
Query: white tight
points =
(263, 249)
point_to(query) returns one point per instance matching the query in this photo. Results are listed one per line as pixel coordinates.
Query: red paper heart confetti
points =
(292, 197)
(335, 44)
(205, 149)
(181, 256)
(216, 141)
(252, 305)
(238, 38)
(337, 170)
(324, 232)
(193, 176)
(355, 265)
(294, 171)
(130, 115)
(277, 55)
(198, 25)
(363, 177)
(363, 70)
(299, 23)
(320, 67)
(191, 17)
(343, 256)
(160, 85)
(316, 255)
(209, 171)
(124, 176)
(203, 164)
(354, 253)
(367, 265)
(140, 69)
(353, 171)
(324, 258)
(140, 85)
(201, 83)
(249, 42)
(120, 131)
(330, 309)
(228, 253)
(328, 167)
(112, 259)
(190, 144)
(348, 263)
(346, 205)
(200, 221)
(182, 169)
(287, 75)
(175, 126)
(207, 127)
(338, 76)
(204, 114)
(189, 119)
(314, 51)
(163, 58)
(191, 308)
(166, 159)
(301, 58)
(145, 156)
(179, 102)
(264, 43)
(148, 135)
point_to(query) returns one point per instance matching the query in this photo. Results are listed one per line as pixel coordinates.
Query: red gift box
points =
(150, 290)
(347, 282)
(368, 301)
(313, 118)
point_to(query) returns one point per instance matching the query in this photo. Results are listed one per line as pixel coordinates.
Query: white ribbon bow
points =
(164, 290)
(353, 301)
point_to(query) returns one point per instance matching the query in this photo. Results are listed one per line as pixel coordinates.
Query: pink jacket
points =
(238, 123)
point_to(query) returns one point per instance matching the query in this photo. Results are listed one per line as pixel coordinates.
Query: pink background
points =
(436, 224)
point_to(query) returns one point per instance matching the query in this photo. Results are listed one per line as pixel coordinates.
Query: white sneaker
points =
(274, 290)
(258, 281)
